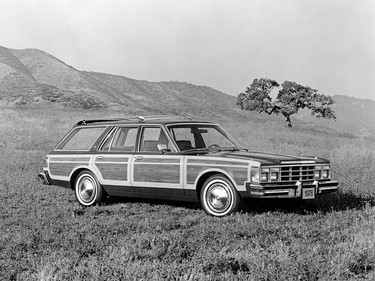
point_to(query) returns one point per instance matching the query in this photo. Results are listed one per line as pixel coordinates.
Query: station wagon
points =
(176, 158)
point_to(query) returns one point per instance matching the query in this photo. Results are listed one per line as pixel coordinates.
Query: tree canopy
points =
(290, 99)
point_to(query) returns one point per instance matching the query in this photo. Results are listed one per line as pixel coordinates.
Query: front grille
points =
(297, 173)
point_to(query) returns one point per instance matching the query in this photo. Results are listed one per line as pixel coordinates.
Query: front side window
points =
(81, 139)
(152, 137)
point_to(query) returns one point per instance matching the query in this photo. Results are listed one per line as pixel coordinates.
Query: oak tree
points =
(291, 97)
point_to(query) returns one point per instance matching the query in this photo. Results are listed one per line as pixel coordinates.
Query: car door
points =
(157, 167)
(114, 158)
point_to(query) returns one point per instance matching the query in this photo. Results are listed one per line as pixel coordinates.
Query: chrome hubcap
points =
(218, 197)
(86, 189)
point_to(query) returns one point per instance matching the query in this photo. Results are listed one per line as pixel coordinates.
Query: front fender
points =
(216, 171)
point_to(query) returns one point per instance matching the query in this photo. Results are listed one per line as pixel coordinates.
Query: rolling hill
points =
(354, 116)
(34, 77)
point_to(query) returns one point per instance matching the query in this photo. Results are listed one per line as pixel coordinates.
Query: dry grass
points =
(46, 235)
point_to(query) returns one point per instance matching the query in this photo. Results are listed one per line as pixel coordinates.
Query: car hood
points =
(266, 158)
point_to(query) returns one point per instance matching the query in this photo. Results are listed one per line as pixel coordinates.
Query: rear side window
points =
(125, 139)
(81, 139)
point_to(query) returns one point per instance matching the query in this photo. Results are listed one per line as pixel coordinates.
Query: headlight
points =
(270, 174)
(325, 174)
(273, 177)
(317, 174)
(265, 170)
(264, 176)
(254, 174)
(322, 172)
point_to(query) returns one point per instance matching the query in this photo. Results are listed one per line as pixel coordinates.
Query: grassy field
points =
(46, 235)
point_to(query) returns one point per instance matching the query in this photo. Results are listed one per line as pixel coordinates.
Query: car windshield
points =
(202, 137)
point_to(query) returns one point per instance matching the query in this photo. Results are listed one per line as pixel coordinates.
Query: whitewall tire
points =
(219, 197)
(88, 190)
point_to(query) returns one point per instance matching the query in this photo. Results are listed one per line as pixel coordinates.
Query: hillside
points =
(34, 77)
(13, 73)
(354, 116)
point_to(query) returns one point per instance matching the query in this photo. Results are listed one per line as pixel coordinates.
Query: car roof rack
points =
(140, 119)
(143, 119)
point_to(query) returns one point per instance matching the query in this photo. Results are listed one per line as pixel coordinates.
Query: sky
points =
(328, 45)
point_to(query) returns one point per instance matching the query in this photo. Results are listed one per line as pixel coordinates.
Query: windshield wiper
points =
(212, 150)
(232, 149)
(196, 150)
(229, 149)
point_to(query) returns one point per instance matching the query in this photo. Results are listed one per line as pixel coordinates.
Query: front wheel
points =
(88, 190)
(219, 197)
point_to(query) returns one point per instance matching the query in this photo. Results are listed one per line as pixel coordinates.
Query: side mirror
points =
(163, 148)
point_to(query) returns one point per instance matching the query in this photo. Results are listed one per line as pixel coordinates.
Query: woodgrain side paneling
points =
(157, 173)
(146, 160)
(69, 159)
(113, 171)
(210, 162)
(64, 169)
(238, 174)
(112, 159)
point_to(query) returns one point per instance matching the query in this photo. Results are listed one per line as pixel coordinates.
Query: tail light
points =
(45, 162)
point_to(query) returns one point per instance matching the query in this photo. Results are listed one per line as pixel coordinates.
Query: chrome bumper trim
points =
(292, 190)
(44, 178)
(278, 191)
(329, 188)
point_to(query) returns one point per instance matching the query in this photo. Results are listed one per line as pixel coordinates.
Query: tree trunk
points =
(289, 122)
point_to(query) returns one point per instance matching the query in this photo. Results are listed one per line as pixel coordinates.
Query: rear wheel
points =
(219, 197)
(88, 190)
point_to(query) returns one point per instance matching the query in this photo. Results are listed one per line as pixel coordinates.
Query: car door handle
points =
(100, 157)
(138, 157)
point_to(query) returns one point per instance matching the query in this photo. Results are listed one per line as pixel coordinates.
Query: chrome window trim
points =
(109, 135)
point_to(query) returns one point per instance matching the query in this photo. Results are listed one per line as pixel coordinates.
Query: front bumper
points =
(44, 176)
(290, 190)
